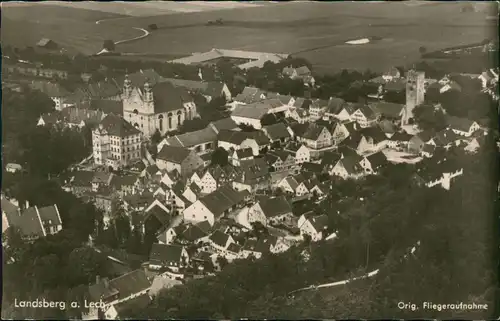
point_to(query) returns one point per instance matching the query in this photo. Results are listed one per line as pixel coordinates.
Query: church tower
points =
(415, 94)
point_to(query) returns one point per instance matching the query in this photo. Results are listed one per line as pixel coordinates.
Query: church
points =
(161, 106)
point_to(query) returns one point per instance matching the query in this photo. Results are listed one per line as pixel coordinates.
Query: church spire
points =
(148, 93)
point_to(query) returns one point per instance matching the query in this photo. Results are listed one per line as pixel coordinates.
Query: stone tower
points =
(415, 94)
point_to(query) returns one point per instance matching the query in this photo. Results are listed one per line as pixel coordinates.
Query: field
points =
(313, 30)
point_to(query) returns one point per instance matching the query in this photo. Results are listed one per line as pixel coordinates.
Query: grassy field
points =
(313, 30)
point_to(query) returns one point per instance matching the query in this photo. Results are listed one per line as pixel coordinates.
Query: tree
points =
(85, 265)
(220, 157)
(191, 125)
(109, 45)
(429, 117)
(153, 26)
(156, 137)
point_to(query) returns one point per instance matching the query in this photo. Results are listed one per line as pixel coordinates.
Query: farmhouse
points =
(215, 205)
(462, 126)
(201, 141)
(243, 59)
(303, 73)
(168, 256)
(183, 160)
(240, 155)
(47, 44)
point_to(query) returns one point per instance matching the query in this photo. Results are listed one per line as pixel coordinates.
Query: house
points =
(289, 185)
(321, 190)
(176, 198)
(215, 177)
(315, 227)
(328, 161)
(489, 77)
(152, 172)
(317, 109)
(10, 211)
(279, 244)
(118, 290)
(280, 160)
(348, 167)
(250, 114)
(428, 150)
(446, 139)
(170, 178)
(372, 140)
(107, 89)
(257, 141)
(303, 73)
(400, 140)
(316, 137)
(137, 202)
(201, 141)
(278, 133)
(195, 233)
(204, 261)
(300, 152)
(125, 184)
(209, 89)
(34, 222)
(184, 160)
(75, 117)
(169, 256)
(253, 176)
(337, 108)
(443, 179)
(271, 211)
(156, 216)
(47, 43)
(215, 205)
(373, 163)
(389, 111)
(224, 124)
(475, 142)
(255, 248)
(240, 155)
(56, 92)
(220, 241)
(13, 168)
(462, 126)
(418, 141)
(116, 143)
(299, 114)
(365, 115)
(192, 192)
(251, 95)
(344, 130)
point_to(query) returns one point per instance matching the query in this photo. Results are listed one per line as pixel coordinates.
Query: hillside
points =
(153, 8)
(73, 29)
(318, 31)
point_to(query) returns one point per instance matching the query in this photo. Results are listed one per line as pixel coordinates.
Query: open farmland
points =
(318, 31)
(73, 29)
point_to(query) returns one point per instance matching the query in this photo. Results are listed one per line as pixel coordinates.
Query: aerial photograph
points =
(250, 160)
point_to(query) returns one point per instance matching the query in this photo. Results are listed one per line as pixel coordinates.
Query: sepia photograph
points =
(250, 160)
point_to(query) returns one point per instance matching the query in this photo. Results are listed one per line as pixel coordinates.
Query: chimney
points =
(27, 204)
(106, 282)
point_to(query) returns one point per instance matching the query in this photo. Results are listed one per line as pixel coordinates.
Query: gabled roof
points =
(335, 105)
(204, 226)
(82, 178)
(299, 129)
(102, 89)
(75, 115)
(303, 71)
(389, 110)
(401, 137)
(277, 131)
(275, 206)
(44, 42)
(165, 253)
(252, 111)
(244, 153)
(351, 164)
(152, 169)
(292, 182)
(117, 126)
(254, 170)
(234, 137)
(208, 88)
(8, 207)
(375, 133)
(219, 238)
(426, 135)
(193, 233)
(445, 137)
(367, 111)
(50, 215)
(428, 148)
(107, 106)
(202, 136)
(293, 147)
(226, 123)
(312, 167)
(169, 98)
(395, 85)
(330, 158)
(313, 132)
(161, 215)
(130, 283)
(319, 222)
(234, 248)
(377, 160)
(137, 79)
(281, 154)
(458, 123)
(257, 246)
(250, 95)
(222, 199)
(173, 154)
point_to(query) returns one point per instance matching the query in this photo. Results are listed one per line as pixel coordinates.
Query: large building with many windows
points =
(116, 143)
(156, 106)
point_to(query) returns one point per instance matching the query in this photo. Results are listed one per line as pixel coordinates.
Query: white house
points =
(315, 227)
(462, 126)
(169, 256)
(347, 167)
(301, 152)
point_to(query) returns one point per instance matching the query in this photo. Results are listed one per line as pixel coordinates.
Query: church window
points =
(160, 120)
(170, 121)
(135, 111)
